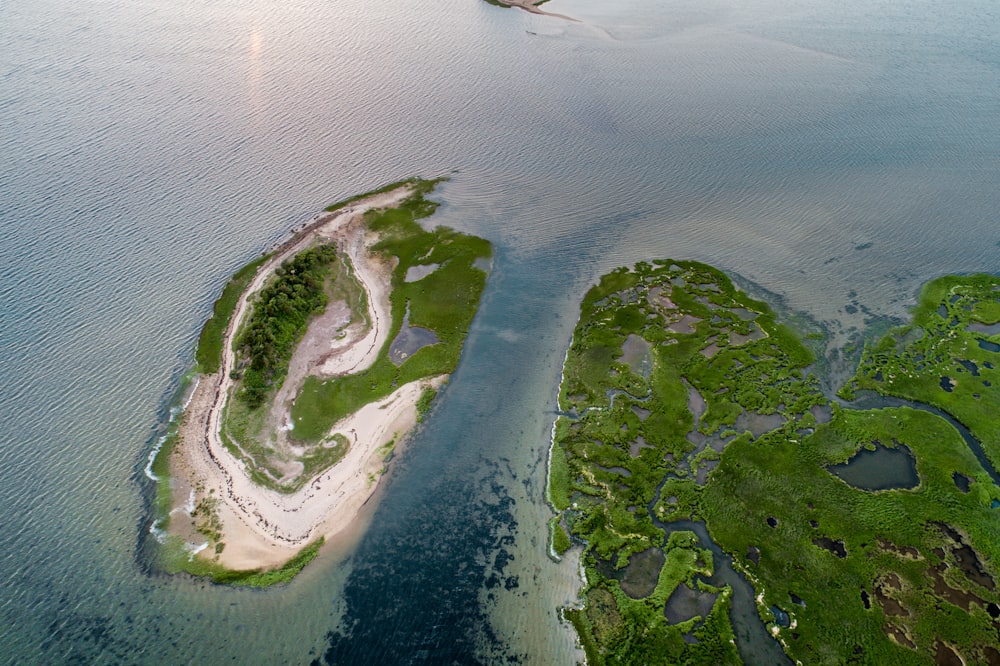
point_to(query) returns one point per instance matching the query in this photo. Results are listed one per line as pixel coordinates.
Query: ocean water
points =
(836, 154)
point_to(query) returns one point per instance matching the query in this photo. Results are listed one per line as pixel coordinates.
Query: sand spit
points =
(532, 6)
(261, 527)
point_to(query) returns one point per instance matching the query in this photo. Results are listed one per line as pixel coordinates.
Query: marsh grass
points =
(444, 301)
(208, 355)
(818, 538)
(175, 559)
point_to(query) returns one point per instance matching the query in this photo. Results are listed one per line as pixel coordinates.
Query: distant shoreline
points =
(531, 7)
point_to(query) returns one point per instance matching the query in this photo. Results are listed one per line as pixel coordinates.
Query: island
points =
(530, 6)
(728, 510)
(318, 361)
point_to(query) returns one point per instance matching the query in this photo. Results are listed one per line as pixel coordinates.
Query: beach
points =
(261, 527)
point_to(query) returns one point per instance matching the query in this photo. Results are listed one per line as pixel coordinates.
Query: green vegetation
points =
(209, 352)
(281, 312)
(444, 301)
(424, 186)
(945, 357)
(896, 550)
(176, 559)
(686, 399)
(424, 402)
(558, 537)
(246, 421)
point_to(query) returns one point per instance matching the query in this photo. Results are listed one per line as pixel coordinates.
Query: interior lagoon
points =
(835, 154)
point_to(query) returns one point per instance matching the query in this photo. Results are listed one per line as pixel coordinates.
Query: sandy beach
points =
(532, 7)
(260, 527)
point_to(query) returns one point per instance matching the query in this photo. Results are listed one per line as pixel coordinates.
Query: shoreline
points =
(262, 528)
(532, 7)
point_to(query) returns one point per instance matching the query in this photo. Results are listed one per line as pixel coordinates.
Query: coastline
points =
(262, 528)
(532, 7)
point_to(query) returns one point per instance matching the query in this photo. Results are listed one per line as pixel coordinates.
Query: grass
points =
(424, 402)
(421, 185)
(704, 342)
(176, 560)
(278, 319)
(911, 361)
(444, 301)
(788, 480)
(558, 537)
(209, 352)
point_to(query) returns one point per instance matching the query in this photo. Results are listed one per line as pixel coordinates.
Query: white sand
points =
(262, 527)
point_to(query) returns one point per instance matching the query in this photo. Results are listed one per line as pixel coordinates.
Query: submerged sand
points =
(261, 527)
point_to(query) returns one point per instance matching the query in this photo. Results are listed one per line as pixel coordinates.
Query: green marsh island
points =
(318, 361)
(694, 439)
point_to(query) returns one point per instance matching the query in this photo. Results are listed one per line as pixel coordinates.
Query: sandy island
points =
(260, 527)
(532, 6)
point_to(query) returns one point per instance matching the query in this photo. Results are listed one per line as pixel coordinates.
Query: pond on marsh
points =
(636, 354)
(638, 579)
(987, 345)
(685, 603)
(880, 469)
(419, 272)
(410, 340)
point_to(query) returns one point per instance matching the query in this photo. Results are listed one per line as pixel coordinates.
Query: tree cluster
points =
(280, 315)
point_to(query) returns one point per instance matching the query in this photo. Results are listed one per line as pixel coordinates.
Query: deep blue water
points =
(837, 154)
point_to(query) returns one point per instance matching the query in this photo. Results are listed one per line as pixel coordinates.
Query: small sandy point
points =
(263, 528)
(532, 7)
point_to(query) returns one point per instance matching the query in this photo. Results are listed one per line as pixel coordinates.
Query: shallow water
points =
(883, 468)
(832, 152)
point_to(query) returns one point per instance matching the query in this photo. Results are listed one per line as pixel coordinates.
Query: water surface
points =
(835, 153)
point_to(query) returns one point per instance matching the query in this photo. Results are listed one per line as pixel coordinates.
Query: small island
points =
(318, 361)
(530, 6)
(730, 511)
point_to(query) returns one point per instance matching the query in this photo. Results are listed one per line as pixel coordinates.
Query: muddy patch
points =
(909, 552)
(636, 355)
(944, 655)
(706, 466)
(636, 446)
(899, 636)
(696, 404)
(684, 325)
(822, 413)
(639, 577)
(979, 327)
(686, 603)
(890, 605)
(660, 298)
(759, 424)
(966, 558)
(643, 414)
(738, 340)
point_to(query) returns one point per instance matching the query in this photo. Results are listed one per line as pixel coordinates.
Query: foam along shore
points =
(212, 490)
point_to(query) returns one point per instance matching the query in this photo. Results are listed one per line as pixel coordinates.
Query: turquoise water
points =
(835, 153)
